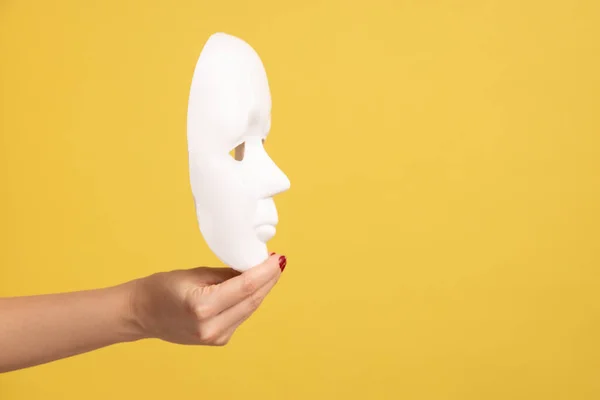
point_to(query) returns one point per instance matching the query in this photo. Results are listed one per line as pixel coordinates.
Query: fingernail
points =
(282, 263)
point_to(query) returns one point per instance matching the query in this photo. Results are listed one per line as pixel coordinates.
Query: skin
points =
(200, 306)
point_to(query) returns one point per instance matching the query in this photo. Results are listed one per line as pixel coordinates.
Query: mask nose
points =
(275, 180)
(267, 178)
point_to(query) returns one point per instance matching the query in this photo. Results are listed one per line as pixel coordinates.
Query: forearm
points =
(40, 329)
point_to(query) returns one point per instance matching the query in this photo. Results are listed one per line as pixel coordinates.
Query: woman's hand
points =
(197, 306)
(202, 306)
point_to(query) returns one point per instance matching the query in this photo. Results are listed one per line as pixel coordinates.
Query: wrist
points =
(129, 325)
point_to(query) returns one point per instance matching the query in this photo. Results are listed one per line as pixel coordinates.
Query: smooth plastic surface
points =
(230, 109)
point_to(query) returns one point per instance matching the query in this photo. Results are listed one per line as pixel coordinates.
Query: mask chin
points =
(244, 256)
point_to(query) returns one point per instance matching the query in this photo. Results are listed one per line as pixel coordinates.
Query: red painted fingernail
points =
(282, 263)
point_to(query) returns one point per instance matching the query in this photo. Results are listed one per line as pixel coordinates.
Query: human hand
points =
(202, 306)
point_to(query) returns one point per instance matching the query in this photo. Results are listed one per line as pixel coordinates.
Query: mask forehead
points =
(229, 98)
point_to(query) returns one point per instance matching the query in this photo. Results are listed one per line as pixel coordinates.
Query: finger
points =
(230, 319)
(236, 289)
(212, 276)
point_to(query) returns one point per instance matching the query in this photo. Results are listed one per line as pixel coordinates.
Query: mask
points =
(229, 110)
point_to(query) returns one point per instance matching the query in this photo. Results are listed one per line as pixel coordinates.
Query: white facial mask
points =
(230, 106)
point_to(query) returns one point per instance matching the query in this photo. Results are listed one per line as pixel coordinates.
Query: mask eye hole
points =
(238, 152)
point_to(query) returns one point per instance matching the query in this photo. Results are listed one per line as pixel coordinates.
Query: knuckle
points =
(254, 301)
(222, 341)
(208, 335)
(248, 285)
(195, 293)
(204, 311)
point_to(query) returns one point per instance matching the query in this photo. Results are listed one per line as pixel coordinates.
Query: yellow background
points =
(443, 226)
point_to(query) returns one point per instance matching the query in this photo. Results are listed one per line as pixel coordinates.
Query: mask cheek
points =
(223, 189)
(227, 204)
